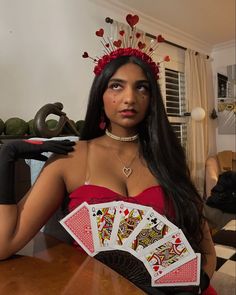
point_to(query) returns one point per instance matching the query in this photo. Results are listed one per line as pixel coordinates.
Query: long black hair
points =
(159, 146)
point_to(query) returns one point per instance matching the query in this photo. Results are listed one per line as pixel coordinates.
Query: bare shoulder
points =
(80, 151)
(72, 167)
(81, 148)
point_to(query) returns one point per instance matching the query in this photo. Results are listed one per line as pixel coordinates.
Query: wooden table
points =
(56, 268)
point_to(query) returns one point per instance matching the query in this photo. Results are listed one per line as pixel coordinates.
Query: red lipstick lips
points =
(128, 112)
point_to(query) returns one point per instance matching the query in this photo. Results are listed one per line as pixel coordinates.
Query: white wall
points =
(40, 55)
(222, 56)
(42, 42)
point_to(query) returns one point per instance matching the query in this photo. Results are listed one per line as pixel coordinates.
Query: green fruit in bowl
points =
(2, 125)
(52, 123)
(79, 125)
(31, 127)
(16, 126)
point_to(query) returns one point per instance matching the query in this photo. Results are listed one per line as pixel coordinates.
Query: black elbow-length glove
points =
(25, 149)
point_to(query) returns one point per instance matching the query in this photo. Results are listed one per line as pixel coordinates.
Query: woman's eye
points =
(143, 88)
(115, 86)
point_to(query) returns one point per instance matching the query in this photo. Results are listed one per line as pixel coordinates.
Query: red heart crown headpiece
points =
(127, 46)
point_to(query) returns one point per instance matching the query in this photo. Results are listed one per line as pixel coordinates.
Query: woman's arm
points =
(20, 222)
(207, 246)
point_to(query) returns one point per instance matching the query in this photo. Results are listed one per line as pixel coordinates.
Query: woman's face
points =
(126, 99)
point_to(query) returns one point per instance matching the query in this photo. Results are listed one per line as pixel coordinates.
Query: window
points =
(173, 88)
(172, 84)
(175, 93)
(181, 132)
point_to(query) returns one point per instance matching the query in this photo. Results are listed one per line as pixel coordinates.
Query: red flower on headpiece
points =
(125, 52)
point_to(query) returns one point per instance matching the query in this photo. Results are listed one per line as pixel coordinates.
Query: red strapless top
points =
(94, 194)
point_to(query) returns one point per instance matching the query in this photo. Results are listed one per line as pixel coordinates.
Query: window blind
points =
(175, 102)
(175, 93)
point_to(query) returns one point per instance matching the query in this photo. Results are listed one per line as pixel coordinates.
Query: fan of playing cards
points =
(136, 241)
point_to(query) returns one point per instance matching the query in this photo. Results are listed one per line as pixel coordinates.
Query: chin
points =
(131, 123)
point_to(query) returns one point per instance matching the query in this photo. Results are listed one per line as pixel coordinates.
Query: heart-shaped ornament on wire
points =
(160, 39)
(85, 55)
(141, 45)
(117, 43)
(132, 20)
(100, 33)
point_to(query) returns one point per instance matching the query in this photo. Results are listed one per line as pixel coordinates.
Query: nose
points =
(129, 95)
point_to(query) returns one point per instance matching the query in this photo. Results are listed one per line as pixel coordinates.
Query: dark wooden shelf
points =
(15, 136)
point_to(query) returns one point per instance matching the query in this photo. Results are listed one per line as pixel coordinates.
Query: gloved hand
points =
(32, 149)
(25, 149)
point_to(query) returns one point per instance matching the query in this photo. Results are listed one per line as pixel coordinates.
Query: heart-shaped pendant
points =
(127, 171)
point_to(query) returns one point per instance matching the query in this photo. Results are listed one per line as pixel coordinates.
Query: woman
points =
(137, 158)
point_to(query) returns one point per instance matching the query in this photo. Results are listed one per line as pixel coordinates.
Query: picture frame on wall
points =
(226, 99)
(222, 82)
(226, 116)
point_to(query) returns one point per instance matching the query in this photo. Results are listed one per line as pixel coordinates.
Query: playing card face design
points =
(152, 228)
(128, 229)
(167, 254)
(78, 224)
(102, 220)
(187, 274)
(128, 217)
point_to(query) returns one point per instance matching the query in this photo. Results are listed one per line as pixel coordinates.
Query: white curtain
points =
(201, 134)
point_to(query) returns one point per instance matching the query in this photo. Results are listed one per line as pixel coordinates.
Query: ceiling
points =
(212, 21)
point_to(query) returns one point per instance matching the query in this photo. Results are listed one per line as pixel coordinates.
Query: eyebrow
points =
(123, 81)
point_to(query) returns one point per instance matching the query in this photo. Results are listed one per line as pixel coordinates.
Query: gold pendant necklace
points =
(127, 170)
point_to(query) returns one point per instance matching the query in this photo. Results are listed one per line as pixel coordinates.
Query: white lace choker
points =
(129, 138)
